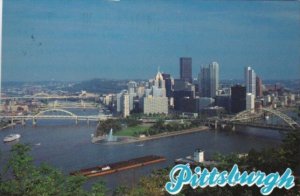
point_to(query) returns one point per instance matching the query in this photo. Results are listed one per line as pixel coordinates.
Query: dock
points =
(119, 166)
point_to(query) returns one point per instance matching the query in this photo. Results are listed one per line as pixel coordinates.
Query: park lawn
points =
(129, 131)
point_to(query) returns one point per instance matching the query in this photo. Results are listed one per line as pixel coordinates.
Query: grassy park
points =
(132, 131)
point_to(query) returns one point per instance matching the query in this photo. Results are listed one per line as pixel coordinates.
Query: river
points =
(68, 147)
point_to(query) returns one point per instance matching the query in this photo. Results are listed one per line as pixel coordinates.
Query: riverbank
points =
(7, 126)
(97, 140)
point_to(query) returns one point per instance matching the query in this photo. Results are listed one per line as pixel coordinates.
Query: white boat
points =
(105, 168)
(11, 137)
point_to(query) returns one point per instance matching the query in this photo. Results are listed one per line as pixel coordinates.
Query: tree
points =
(28, 179)
(105, 126)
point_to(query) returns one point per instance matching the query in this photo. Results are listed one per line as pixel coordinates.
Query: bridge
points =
(253, 118)
(67, 105)
(59, 114)
(41, 96)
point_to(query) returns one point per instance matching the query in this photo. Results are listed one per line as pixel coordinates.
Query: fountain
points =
(110, 137)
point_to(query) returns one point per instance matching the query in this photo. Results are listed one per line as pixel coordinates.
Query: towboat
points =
(11, 137)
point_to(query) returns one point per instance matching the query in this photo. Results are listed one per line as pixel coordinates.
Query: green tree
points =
(28, 179)
(105, 126)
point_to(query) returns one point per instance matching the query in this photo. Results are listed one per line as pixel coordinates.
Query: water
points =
(68, 147)
(110, 137)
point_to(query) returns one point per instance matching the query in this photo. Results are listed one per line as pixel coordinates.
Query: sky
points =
(79, 40)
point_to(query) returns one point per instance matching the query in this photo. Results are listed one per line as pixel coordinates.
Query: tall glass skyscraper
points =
(250, 81)
(209, 80)
(186, 69)
(214, 78)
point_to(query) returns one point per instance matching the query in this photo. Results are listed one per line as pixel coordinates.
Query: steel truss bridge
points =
(66, 105)
(56, 114)
(49, 97)
(252, 118)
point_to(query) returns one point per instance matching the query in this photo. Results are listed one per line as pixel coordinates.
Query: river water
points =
(68, 147)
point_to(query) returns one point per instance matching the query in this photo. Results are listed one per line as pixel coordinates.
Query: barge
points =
(119, 166)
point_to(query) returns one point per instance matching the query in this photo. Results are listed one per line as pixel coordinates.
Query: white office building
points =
(155, 100)
(123, 103)
(155, 105)
(250, 102)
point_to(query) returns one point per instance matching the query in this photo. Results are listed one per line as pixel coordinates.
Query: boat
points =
(119, 166)
(11, 137)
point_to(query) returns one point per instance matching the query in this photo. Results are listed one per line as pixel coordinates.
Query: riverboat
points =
(119, 166)
(11, 137)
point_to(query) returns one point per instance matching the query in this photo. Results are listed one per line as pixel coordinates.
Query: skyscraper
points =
(250, 102)
(123, 103)
(204, 82)
(186, 69)
(168, 83)
(209, 80)
(238, 98)
(259, 92)
(132, 85)
(214, 78)
(155, 100)
(250, 81)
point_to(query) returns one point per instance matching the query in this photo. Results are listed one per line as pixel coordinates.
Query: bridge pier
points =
(88, 122)
(12, 121)
(33, 121)
(76, 121)
(23, 122)
(216, 125)
(233, 127)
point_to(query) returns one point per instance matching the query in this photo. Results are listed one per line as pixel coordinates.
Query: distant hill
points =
(99, 86)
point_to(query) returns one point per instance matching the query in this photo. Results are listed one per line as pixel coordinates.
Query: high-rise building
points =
(250, 102)
(209, 80)
(184, 93)
(250, 81)
(259, 92)
(179, 96)
(123, 103)
(214, 78)
(204, 82)
(140, 91)
(238, 98)
(126, 106)
(155, 100)
(186, 69)
(223, 101)
(132, 86)
(155, 105)
(168, 83)
(205, 102)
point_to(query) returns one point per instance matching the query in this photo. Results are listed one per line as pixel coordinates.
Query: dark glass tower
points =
(186, 69)
(238, 98)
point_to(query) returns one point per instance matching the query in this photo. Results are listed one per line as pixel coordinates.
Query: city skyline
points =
(124, 40)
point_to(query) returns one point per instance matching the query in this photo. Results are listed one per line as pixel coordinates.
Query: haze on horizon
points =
(79, 40)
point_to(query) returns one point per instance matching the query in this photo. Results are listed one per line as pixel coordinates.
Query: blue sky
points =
(79, 40)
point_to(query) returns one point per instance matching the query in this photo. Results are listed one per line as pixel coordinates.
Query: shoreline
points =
(7, 126)
(96, 140)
